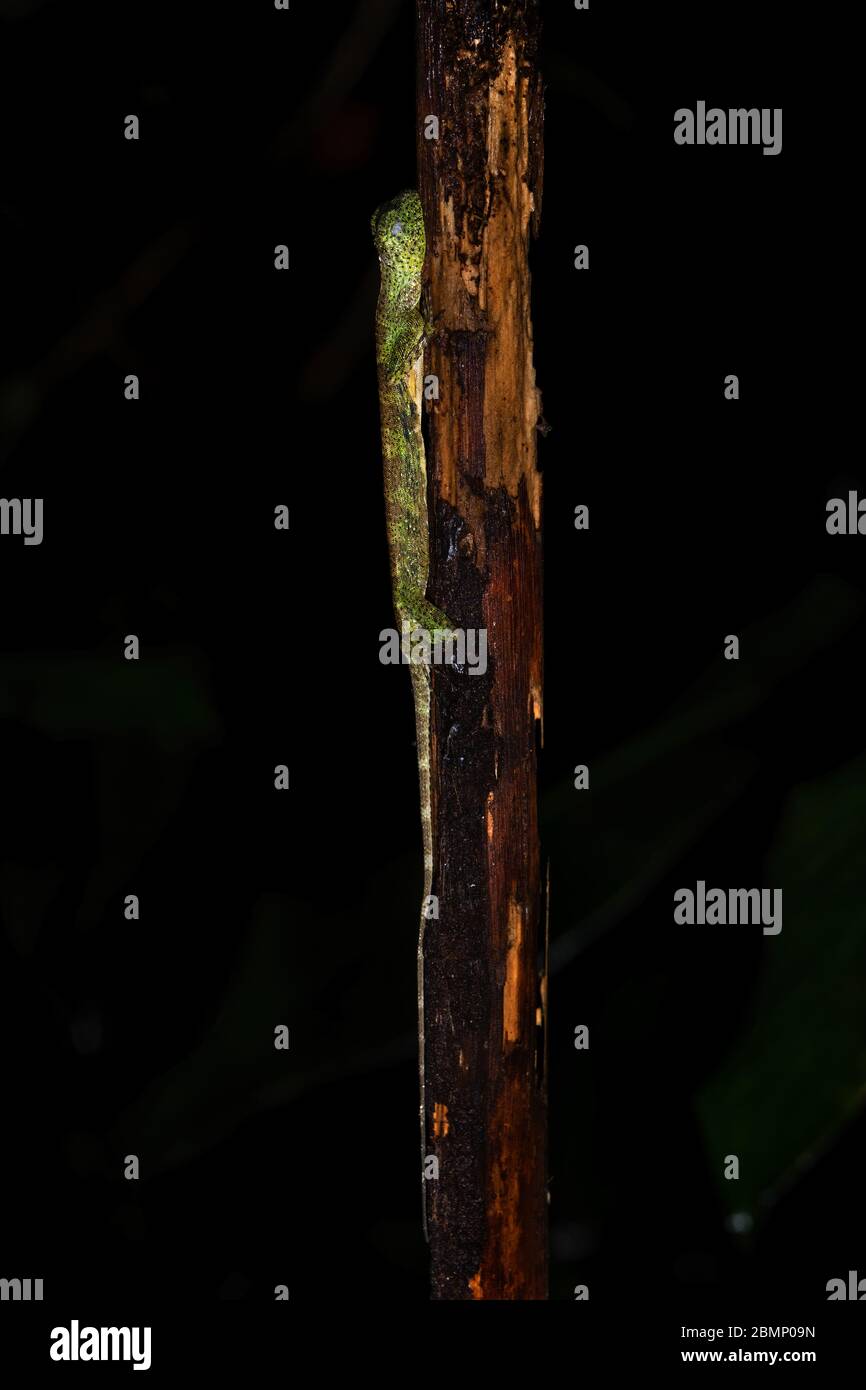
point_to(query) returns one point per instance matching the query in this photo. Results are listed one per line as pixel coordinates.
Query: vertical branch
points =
(480, 184)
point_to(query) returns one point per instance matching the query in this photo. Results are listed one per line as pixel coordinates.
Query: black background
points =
(261, 647)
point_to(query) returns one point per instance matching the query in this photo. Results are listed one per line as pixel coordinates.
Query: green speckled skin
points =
(398, 231)
(401, 332)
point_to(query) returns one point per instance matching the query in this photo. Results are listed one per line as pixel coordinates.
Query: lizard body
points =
(401, 333)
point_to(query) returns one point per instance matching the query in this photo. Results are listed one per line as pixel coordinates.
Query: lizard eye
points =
(397, 229)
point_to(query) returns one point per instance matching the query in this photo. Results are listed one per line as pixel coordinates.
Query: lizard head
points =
(398, 231)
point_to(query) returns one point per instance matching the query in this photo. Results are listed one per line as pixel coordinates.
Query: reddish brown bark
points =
(480, 184)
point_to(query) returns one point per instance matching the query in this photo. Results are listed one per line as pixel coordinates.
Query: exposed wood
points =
(485, 1010)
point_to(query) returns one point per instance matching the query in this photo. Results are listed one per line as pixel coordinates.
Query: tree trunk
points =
(485, 974)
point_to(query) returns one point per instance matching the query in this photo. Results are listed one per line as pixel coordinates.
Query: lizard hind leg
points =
(415, 610)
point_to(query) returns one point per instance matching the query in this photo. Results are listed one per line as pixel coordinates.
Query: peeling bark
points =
(485, 1010)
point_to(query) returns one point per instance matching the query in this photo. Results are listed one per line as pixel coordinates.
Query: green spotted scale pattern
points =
(401, 334)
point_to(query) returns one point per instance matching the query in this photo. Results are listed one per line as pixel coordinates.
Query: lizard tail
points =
(421, 692)
(421, 684)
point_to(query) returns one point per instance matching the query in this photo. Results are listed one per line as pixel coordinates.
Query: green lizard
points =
(401, 333)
